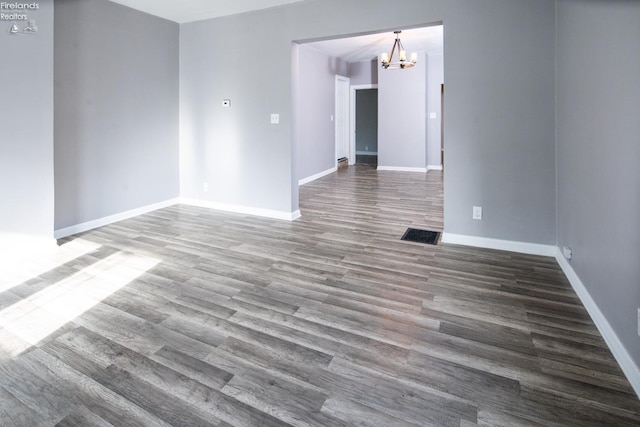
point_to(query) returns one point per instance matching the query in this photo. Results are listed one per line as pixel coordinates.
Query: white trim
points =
(504, 245)
(620, 353)
(100, 222)
(308, 179)
(365, 86)
(347, 117)
(352, 117)
(245, 210)
(90, 225)
(434, 167)
(367, 153)
(401, 169)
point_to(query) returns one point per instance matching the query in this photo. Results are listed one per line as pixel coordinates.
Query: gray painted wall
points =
(500, 121)
(364, 72)
(245, 160)
(116, 103)
(402, 132)
(435, 77)
(501, 154)
(598, 153)
(315, 136)
(26, 131)
(367, 121)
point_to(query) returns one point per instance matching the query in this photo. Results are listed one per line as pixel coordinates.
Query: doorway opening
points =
(324, 67)
(364, 123)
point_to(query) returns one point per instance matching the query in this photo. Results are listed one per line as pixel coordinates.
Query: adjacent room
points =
(210, 209)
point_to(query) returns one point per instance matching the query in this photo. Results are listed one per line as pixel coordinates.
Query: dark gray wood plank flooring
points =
(192, 317)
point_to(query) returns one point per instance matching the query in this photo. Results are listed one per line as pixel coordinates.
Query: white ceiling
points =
(182, 11)
(351, 49)
(368, 47)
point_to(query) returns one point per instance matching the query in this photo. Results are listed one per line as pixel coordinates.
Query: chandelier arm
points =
(393, 49)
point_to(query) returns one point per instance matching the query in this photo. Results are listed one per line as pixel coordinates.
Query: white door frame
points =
(346, 118)
(352, 119)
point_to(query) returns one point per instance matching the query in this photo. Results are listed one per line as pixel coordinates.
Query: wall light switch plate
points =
(477, 212)
(433, 116)
(226, 103)
(275, 119)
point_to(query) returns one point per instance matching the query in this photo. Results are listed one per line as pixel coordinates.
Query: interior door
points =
(342, 117)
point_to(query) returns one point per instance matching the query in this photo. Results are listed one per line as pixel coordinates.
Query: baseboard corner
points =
(319, 175)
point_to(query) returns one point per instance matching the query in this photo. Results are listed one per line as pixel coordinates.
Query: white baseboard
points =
(505, 245)
(22, 244)
(434, 167)
(628, 366)
(308, 179)
(366, 153)
(245, 210)
(100, 222)
(401, 169)
(90, 225)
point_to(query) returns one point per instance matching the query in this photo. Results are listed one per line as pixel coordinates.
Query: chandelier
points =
(387, 59)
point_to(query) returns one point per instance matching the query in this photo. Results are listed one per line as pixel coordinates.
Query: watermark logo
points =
(30, 28)
(18, 14)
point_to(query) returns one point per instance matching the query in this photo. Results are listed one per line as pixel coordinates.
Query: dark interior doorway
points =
(366, 126)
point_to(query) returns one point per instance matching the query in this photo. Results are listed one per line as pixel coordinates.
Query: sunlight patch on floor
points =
(18, 268)
(32, 319)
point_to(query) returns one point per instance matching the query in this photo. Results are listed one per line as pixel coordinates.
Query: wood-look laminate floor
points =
(192, 317)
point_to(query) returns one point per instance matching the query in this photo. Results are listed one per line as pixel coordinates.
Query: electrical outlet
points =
(275, 119)
(477, 212)
(567, 252)
(366, 148)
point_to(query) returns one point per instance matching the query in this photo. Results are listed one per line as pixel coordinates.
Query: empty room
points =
(320, 213)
